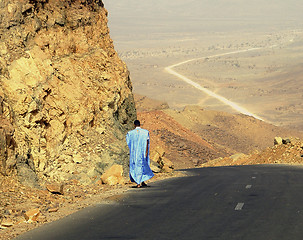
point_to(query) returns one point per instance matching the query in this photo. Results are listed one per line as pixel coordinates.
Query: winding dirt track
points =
(222, 99)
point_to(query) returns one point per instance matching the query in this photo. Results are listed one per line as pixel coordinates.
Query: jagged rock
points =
(55, 188)
(113, 175)
(166, 169)
(62, 87)
(26, 172)
(154, 156)
(160, 150)
(155, 167)
(6, 222)
(111, 180)
(53, 210)
(278, 141)
(32, 215)
(286, 141)
(167, 162)
(7, 144)
(159, 161)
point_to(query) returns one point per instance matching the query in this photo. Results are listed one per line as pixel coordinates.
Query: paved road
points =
(250, 202)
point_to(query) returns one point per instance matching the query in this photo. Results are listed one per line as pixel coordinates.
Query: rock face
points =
(65, 96)
(113, 175)
(159, 163)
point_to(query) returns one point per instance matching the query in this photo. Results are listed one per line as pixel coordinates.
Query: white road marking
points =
(222, 99)
(239, 206)
(248, 186)
(253, 177)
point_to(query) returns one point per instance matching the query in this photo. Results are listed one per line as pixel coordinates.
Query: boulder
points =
(55, 188)
(166, 169)
(113, 175)
(26, 172)
(7, 222)
(167, 162)
(160, 150)
(158, 160)
(278, 141)
(32, 215)
(286, 141)
(154, 156)
(155, 167)
(112, 180)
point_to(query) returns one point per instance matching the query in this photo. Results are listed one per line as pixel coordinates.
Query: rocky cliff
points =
(65, 96)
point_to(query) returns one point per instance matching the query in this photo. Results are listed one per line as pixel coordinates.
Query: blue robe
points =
(139, 169)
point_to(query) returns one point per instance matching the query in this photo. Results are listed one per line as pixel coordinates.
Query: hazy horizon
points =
(147, 19)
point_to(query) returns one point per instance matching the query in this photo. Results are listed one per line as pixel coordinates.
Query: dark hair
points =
(137, 123)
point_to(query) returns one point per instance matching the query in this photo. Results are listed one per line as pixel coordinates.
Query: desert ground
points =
(211, 42)
(267, 80)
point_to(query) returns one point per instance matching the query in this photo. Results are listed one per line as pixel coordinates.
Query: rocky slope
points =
(194, 136)
(285, 151)
(233, 132)
(182, 146)
(65, 96)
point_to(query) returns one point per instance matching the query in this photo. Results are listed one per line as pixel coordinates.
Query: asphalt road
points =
(250, 202)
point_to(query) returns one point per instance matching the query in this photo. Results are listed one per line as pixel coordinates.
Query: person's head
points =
(137, 123)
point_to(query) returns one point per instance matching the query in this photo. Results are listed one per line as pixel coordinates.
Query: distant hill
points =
(195, 136)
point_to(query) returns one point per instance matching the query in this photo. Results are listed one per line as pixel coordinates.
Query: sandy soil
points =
(267, 82)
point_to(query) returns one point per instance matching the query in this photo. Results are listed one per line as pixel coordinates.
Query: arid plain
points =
(247, 52)
(266, 80)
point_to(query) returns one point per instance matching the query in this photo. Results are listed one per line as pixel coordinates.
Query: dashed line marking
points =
(254, 177)
(248, 186)
(239, 206)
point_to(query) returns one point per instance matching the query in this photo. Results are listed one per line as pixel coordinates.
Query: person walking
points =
(138, 144)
